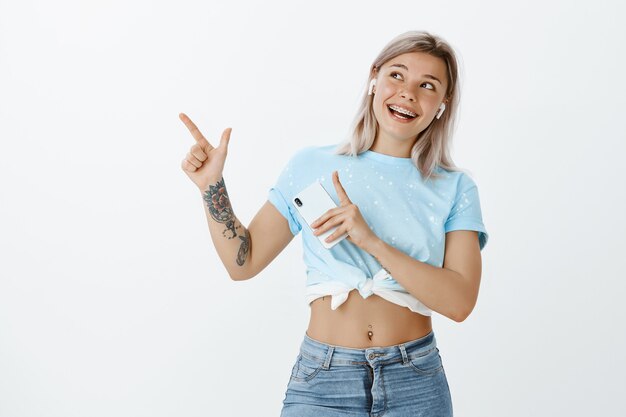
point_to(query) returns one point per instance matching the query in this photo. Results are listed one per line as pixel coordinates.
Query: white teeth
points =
(402, 110)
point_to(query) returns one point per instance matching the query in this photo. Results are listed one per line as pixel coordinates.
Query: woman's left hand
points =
(347, 218)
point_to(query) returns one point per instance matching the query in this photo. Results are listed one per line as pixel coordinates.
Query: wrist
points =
(374, 246)
(211, 183)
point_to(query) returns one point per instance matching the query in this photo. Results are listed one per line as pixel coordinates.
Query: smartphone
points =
(312, 202)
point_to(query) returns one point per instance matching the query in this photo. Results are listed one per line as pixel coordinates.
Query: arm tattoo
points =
(218, 203)
(244, 248)
(221, 211)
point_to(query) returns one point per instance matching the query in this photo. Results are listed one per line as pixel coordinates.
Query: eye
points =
(396, 75)
(431, 85)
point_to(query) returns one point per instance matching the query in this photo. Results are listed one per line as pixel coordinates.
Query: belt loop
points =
(329, 355)
(405, 358)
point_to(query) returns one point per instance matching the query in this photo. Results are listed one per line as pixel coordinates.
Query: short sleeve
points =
(280, 195)
(466, 213)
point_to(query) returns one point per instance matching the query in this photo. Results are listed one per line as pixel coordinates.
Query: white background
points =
(113, 301)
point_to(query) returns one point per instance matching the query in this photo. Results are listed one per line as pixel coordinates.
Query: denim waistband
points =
(341, 355)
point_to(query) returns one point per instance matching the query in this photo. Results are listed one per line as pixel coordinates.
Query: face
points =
(409, 89)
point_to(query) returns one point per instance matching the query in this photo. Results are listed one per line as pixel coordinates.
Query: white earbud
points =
(371, 89)
(442, 107)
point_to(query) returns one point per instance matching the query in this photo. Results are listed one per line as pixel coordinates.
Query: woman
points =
(414, 229)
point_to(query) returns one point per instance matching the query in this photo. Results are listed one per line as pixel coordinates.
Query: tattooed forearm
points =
(244, 248)
(220, 209)
(230, 227)
(218, 203)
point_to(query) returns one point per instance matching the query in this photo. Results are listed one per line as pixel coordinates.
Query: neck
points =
(392, 147)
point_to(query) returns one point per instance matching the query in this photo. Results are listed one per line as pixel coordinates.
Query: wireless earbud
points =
(371, 89)
(442, 107)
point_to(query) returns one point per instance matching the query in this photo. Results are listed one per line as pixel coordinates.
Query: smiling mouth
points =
(401, 112)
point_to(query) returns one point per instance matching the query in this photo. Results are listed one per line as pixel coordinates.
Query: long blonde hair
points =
(431, 149)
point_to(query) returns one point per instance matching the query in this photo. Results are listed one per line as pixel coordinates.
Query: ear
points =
(371, 88)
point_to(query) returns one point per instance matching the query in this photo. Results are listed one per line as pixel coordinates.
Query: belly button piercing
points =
(370, 334)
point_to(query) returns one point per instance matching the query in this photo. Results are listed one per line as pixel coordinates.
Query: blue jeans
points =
(392, 381)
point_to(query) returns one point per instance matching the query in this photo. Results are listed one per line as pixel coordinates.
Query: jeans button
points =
(372, 356)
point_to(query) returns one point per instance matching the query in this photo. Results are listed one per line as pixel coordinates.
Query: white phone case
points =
(312, 202)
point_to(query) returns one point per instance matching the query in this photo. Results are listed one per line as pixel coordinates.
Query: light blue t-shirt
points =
(401, 208)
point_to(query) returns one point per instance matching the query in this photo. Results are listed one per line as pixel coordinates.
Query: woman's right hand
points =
(204, 164)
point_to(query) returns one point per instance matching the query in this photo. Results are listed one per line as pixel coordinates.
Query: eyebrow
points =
(432, 77)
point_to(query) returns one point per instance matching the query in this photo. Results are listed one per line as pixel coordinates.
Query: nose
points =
(407, 95)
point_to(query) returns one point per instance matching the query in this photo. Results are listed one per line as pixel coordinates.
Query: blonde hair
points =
(431, 149)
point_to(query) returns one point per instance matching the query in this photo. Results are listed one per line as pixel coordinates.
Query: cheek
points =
(430, 103)
(385, 92)
(379, 107)
(435, 99)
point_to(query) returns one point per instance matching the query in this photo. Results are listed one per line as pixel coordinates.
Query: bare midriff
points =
(365, 322)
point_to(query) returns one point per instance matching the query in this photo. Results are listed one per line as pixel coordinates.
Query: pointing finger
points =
(341, 193)
(195, 132)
